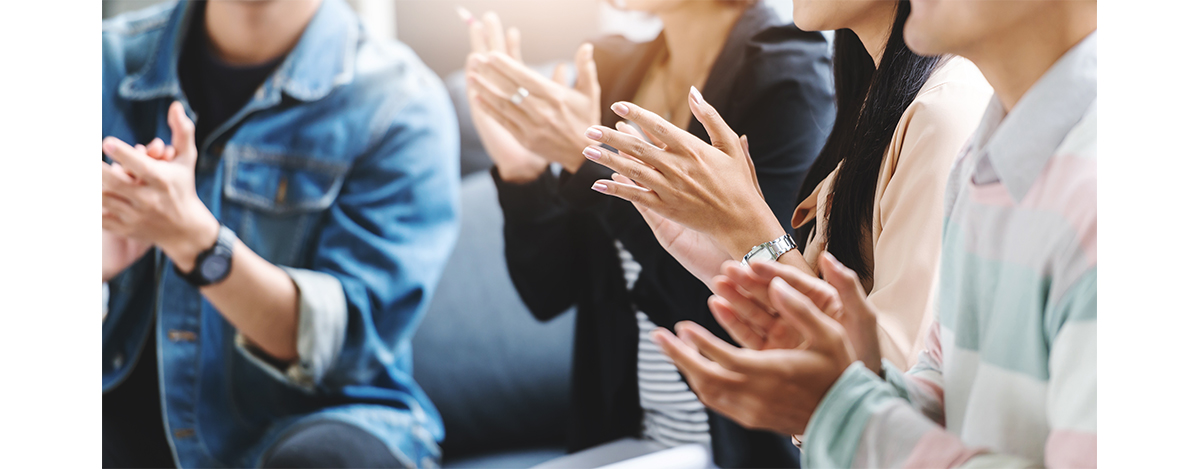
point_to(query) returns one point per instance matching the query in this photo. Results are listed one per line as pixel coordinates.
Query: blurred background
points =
(551, 29)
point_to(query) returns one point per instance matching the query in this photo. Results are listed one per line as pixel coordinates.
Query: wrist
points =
(571, 161)
(521, 172)
(201, 236)
(757, 230)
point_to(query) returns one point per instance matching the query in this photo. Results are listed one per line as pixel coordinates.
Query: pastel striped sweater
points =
(1008, 377)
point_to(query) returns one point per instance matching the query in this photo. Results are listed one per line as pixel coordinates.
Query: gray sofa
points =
(498, 377)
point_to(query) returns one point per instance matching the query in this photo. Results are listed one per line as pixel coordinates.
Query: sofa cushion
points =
(498, 376)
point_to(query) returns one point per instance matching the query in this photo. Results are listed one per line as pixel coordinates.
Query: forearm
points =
(541, 245)
(862, 422)
(258, 298)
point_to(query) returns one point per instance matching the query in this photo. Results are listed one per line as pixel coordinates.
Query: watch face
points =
(214, 267)
(761, 255)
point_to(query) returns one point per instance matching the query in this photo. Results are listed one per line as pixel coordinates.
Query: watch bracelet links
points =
(776, 248)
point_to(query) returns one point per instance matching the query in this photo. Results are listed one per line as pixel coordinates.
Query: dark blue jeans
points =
(134, 434)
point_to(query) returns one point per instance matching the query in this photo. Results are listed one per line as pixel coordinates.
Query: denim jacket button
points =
(176, 335)
(118, 360)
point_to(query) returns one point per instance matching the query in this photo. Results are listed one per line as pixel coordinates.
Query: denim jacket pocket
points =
(276, 199)
(281, 184)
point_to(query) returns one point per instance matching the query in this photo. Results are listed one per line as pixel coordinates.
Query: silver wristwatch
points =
(770, 250)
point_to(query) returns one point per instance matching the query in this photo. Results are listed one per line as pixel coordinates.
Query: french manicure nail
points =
(594, 133)
(591, 154)
(620, 108)
(656, 336)
(695, 95)
(599, 187)
(464, 14)
(779, 284)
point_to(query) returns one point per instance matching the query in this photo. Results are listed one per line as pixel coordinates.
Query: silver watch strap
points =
(775, 248)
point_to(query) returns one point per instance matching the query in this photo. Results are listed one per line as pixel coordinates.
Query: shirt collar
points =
(322, 59)
(1015, 148)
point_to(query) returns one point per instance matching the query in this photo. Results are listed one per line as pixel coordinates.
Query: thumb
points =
(587, 81)
(560, 74)
(183, 134)
(845, 281)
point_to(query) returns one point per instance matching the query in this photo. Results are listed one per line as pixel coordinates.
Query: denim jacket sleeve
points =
(382, 248)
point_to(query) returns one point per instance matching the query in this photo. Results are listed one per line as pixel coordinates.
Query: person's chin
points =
(919, 40)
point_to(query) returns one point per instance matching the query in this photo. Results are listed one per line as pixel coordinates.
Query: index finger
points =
(713, 348)
(628, 145)
(134, 163)
(654, 125)
(694, 366)
(822, 294)
(521, 75)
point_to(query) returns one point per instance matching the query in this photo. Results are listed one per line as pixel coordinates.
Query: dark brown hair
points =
(869, 105)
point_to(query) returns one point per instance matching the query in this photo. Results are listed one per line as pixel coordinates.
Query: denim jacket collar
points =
(322, 60)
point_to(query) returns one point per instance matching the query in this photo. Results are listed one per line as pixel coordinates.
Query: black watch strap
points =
(213, 264)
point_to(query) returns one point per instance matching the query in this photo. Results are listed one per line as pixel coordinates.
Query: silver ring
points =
(519, 96)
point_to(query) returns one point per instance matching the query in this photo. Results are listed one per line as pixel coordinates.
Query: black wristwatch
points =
(213, 264)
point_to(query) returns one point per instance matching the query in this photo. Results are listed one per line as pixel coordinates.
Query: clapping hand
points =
(119, 252)
(711, 189)
(777, 386)
(743, 307)
(153, 201)
(544, 116)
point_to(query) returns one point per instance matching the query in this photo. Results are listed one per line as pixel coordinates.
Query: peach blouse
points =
(906, 228)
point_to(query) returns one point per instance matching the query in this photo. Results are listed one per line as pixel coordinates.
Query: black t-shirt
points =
(134, 435)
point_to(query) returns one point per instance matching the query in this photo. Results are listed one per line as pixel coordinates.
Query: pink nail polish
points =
(599, 187)
(594, 133)
(695, 95)
(591, 153)
(620, 108)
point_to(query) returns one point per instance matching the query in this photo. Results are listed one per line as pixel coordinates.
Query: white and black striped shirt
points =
(672, 415)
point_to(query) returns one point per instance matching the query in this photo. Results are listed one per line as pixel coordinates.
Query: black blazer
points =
(771, 82)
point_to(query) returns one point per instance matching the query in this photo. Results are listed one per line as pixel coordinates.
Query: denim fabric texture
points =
(343, 168)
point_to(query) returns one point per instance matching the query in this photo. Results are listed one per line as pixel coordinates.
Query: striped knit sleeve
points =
(922, 385)
(867, 422)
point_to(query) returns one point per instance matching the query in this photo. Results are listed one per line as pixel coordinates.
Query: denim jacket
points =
(343, 170)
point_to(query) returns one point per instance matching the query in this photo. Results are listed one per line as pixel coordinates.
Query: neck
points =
(251, 33)
(874, 27)
(695, 33)
(1018, 57)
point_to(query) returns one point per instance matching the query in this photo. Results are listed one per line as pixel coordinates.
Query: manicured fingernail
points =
(656, 337)
(783, 287)
(599, 187)
(620, 108)
(594, 133)
(591, 154)
(695, 95)
(464, 14)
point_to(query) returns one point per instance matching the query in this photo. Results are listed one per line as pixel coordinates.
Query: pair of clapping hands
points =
(525, 120)
(798, 333)
(149, 198)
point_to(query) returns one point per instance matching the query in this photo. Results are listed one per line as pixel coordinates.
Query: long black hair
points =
(869, 105)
